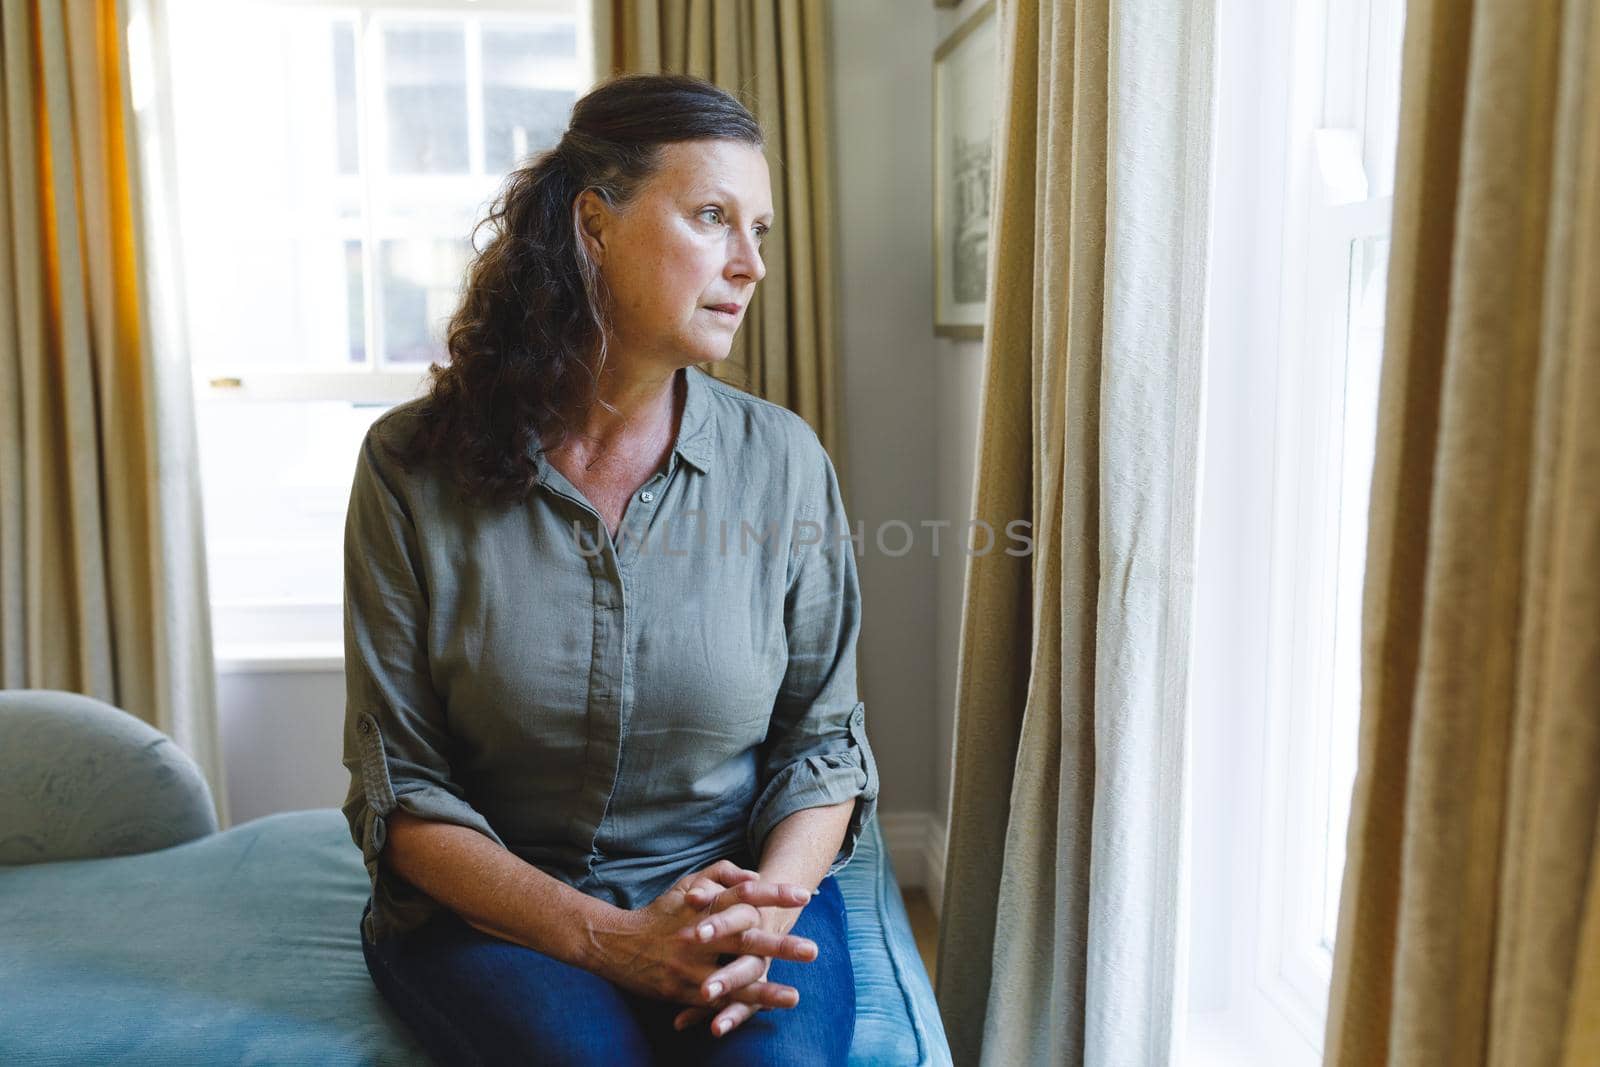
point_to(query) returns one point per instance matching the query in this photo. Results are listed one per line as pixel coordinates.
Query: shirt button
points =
(647, 496)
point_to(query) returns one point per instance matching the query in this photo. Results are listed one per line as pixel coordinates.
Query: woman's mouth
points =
(730, 310)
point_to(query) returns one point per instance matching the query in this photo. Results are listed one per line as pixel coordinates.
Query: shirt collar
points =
(696, 436)
(696, 430)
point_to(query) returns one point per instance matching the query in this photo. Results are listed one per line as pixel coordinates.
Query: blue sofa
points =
(132, 931)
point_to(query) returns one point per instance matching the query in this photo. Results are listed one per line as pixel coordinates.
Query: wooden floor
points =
(924, 927)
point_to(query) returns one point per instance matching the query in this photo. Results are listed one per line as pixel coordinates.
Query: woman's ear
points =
(593, 217)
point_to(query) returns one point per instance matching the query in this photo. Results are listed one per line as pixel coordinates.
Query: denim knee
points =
(472, 998)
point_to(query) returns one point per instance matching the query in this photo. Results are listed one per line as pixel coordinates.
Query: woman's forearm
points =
(495, 891)
(800, 849)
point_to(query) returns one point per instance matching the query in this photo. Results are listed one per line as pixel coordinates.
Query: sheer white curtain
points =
(1065, 946)
(185, 612)
(102, 566)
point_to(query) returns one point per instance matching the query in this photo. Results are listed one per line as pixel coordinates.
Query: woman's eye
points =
(712, 211)
(761, 232)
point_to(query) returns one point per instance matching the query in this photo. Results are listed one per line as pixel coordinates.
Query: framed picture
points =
(963, 148)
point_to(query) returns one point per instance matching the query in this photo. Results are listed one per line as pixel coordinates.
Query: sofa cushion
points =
(80, 779)
(243, 947)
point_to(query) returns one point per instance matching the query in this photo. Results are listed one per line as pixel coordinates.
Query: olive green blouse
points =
(616, 713)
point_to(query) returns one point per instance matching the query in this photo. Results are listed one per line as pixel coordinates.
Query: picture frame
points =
(964, 108)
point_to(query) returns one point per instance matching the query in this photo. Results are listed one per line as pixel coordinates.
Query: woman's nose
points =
(745, 260)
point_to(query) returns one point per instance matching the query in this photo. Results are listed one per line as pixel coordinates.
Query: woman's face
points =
(690, 240)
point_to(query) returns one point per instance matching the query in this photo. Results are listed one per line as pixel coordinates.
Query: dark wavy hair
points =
(528, 340)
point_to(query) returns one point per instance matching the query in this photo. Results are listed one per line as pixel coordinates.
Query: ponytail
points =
(527, 342)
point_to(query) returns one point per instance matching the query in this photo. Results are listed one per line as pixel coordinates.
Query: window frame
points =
(225, 382)
(1291, 194)
(1336, 152)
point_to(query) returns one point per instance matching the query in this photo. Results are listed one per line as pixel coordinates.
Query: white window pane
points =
(1369, 260)
(278, 300)
(345, 111)
(425, 97)
(528, 93)
(266, 206)
(355, 301)
(519, 122)
(1383, 109)
(421, 280)
(431, 208)
(328, 178)
(276, 482)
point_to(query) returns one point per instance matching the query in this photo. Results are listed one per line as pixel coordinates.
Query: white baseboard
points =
(916, 842)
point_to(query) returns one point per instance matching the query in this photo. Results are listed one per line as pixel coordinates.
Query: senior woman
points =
(601, 610)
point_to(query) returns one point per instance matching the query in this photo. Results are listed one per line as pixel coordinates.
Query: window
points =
(1308, 111)
(329, 162)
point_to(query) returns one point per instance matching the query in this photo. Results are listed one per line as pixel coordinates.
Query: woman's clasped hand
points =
(672, 947)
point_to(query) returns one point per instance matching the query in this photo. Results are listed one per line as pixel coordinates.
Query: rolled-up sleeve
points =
(396, 746)
(816, 752)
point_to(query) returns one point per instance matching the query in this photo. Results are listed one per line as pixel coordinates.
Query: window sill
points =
(1233, 1038)
(311, 657)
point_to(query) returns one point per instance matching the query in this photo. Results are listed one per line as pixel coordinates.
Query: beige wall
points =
(959, 377)
(883, 125)
(911, 407)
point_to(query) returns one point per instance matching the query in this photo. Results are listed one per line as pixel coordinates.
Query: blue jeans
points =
(472, 998)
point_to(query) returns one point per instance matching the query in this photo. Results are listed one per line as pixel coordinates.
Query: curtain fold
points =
(1071, 718)
(102, 569)
(1469, 927)
(772, 55)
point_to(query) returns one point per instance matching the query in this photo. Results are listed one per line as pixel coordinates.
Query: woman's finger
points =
(728, 872)
(734, 1014)
(702, 887)
(731, 1016)
(709, 928)
(724, 873)
(765, 994)
(764, 943)
(689, 1016)
(762, 994)
(702, 893)
(763, 895)
(724, 980)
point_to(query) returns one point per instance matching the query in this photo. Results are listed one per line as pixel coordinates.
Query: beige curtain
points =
(102, 573)
(1469, 927)
(772, 55)
(1060, 937)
